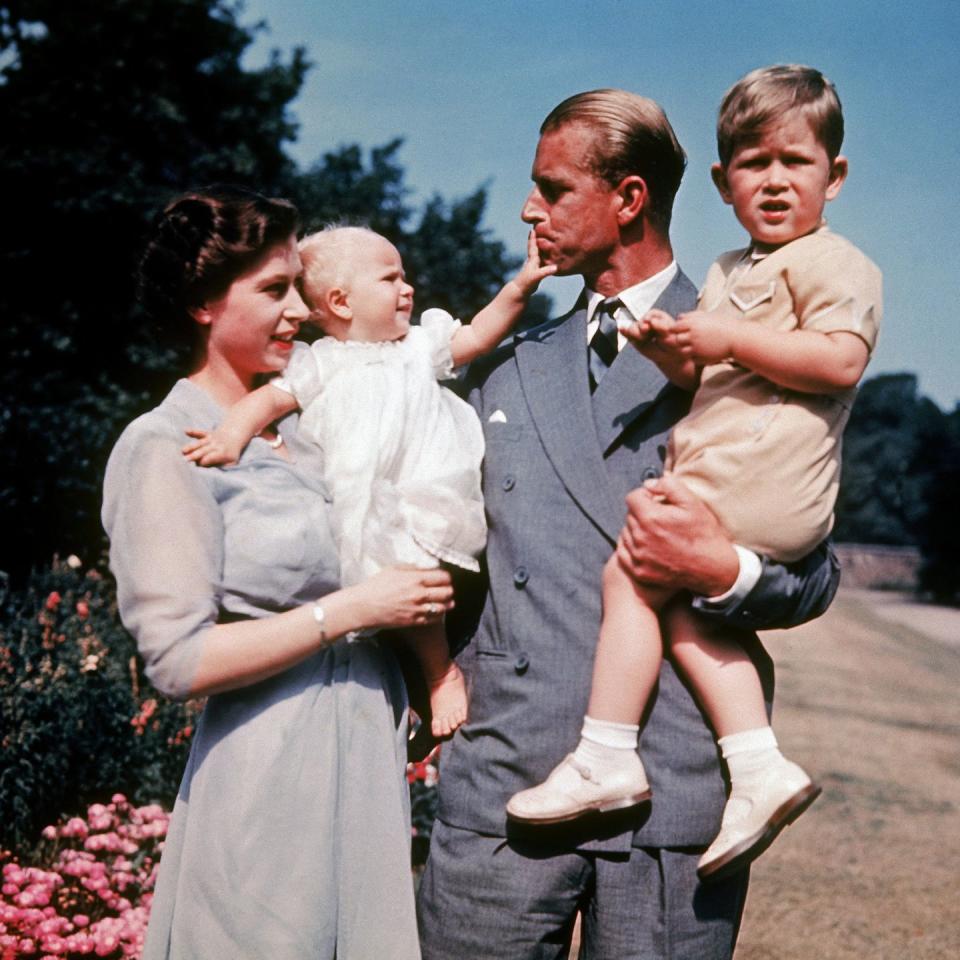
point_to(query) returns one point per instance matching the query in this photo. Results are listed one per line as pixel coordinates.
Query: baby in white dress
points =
(401, 453)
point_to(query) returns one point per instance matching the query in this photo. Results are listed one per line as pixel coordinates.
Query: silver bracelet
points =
(321, 618)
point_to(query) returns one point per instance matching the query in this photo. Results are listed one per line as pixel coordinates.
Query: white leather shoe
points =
(755, 814)
(572, 789)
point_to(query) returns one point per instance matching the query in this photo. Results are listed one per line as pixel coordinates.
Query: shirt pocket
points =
(748, 296)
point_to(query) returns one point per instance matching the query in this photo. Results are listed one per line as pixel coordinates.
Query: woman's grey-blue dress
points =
(290, 835)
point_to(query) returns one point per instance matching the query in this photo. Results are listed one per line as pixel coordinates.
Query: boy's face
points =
(379, 297)
(778, 184)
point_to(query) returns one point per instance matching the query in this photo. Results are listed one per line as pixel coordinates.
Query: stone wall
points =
(878, 567)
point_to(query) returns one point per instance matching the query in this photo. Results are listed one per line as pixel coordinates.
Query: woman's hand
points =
(402, 597)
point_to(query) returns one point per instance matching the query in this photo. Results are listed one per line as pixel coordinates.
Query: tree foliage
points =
(939, 528)
(109, 108)
(901, 468)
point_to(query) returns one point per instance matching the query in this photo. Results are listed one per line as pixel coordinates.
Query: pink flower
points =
(53, 600)
(81, 920)
(83, 609)
(75, 827)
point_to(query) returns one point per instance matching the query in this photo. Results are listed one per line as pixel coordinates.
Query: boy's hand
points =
(703, 337)
(651, 327)
(211, 448)
(654, 336)
(532, 272)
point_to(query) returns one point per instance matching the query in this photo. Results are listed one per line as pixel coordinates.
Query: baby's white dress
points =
(401, 453)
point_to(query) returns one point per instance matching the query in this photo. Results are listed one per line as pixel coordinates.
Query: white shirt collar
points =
(637, 299)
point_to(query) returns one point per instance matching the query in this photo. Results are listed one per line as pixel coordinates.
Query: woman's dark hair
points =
(201, 242)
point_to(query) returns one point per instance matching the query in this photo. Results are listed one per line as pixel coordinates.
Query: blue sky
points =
(466, 84)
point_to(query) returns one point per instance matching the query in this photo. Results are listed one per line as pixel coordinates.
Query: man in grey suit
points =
(568, 438)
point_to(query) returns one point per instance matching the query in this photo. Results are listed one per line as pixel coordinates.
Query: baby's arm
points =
(650, 335)
(494, 321)
(244, 420)
(806, 360)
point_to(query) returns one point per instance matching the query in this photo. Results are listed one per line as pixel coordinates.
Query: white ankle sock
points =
(749, 752)
(606, 745)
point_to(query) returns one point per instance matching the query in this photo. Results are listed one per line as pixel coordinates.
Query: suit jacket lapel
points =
(552, 362)
(633, 382)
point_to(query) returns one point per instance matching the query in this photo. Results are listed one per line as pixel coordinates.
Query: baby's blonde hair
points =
(764, 96)
(328, 257)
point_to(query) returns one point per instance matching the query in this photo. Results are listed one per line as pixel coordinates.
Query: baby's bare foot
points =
(448, 701)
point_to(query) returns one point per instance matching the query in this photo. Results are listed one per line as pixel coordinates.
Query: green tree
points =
(938, 531)
(891, 452)
(108, 107)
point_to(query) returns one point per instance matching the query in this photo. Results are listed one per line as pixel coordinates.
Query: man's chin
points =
(563, 269)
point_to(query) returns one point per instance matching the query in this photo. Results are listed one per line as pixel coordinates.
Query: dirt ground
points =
(868, 699)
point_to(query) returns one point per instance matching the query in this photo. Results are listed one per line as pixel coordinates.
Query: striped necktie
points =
(603, 343)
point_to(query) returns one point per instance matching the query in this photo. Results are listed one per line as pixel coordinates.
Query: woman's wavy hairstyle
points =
(200, 243)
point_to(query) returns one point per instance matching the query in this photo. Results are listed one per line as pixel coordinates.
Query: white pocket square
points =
(498, 416)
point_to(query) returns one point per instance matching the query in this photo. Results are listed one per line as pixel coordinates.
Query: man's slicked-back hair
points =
(632, 137)
(765, 96)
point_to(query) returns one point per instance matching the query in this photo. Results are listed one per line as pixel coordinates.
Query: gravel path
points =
(867, 700)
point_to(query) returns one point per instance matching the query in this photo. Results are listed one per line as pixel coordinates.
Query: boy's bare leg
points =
(445, 684)
(767, 791)
(629, 650)
(718, 668)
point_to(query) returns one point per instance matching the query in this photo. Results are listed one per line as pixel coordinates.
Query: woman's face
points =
(250, 329)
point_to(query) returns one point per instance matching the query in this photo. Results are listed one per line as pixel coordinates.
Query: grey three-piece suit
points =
(558, 465)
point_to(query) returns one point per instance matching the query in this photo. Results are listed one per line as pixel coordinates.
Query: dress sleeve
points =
(166, 552)
(838, 289)
(303, 377)
(437, 328)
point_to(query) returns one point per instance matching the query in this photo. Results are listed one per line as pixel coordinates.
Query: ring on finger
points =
(433, 609)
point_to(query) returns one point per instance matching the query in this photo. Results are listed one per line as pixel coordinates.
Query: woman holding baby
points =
(290, 835)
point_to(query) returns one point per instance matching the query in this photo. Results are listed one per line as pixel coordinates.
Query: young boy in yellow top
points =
(783, 334)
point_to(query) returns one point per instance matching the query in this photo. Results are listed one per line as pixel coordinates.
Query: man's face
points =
(572, 211)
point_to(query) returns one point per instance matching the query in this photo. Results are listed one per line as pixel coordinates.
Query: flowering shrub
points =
(92, 895)
(78, 721)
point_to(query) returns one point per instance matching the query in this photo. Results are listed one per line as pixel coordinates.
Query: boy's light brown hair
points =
(765, 96)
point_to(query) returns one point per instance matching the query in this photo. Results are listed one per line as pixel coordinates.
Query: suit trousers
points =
(489, 898)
